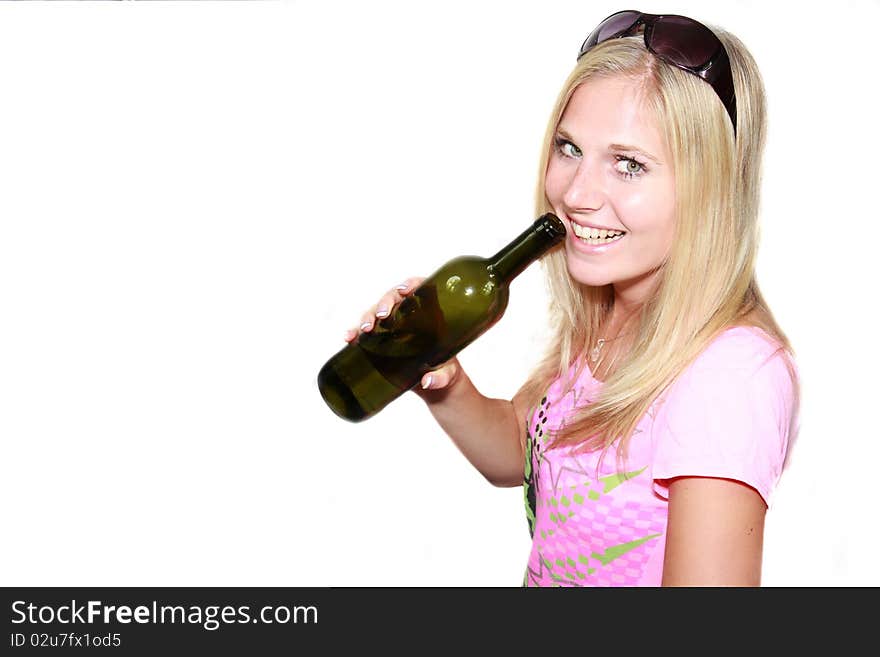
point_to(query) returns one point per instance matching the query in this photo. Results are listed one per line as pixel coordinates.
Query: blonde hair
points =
(707, 284)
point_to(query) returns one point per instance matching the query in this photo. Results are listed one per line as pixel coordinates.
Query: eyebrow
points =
(615, 147)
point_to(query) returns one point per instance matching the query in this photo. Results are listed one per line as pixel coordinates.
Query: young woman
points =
(651, 437)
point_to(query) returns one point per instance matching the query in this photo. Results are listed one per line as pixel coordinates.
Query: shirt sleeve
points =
(729, 415)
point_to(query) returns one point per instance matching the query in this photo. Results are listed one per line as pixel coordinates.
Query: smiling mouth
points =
(596, 236)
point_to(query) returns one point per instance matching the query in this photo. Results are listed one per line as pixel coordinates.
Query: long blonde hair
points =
(707, 284)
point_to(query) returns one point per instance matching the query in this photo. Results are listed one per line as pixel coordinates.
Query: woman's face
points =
(609, 172)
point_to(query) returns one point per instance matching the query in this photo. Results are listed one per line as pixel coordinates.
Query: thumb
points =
(442, 377)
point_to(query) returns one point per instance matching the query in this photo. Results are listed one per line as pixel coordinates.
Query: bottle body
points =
(449, 310)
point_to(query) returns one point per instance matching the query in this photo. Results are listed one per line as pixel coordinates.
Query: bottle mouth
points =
(551, 225)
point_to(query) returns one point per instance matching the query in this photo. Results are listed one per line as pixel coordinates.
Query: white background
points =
(198, 198)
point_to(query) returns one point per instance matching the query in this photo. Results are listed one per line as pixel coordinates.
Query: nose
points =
(584, 191)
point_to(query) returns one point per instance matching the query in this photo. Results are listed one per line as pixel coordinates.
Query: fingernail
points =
(382, 312)
(365, 326)
(427, 383)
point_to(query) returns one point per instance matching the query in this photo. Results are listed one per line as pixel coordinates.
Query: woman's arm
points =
(490, 433)
(715, 533)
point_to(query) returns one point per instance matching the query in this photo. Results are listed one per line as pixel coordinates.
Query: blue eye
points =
(566, 148)
(632, 168)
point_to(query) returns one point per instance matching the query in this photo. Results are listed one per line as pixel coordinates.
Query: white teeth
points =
(602, 234)
(607, 240)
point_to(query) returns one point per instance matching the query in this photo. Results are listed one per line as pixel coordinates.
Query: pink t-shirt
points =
(730, 414)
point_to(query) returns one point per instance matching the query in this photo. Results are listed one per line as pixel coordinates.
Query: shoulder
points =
(742, 362)
(742, 356)
(739, 347)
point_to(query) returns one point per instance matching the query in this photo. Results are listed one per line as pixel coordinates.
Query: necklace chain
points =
(597, 350)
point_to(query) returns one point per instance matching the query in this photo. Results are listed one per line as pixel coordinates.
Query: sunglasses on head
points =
(677, 40)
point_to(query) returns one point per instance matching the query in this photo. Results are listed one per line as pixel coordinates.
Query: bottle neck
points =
(531, 244)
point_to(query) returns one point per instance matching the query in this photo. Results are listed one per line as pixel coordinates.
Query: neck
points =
(617, 321)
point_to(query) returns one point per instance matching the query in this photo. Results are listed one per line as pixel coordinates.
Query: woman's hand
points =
(436, 379)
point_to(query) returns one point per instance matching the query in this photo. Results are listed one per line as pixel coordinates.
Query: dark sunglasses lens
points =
(609, 28)
(684, 41)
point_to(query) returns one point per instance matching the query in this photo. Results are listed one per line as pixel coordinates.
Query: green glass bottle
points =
(449, 310)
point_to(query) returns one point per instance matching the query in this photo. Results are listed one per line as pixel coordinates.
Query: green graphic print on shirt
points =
(581, 534)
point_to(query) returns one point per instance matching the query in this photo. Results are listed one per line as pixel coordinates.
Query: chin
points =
(590, 276)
